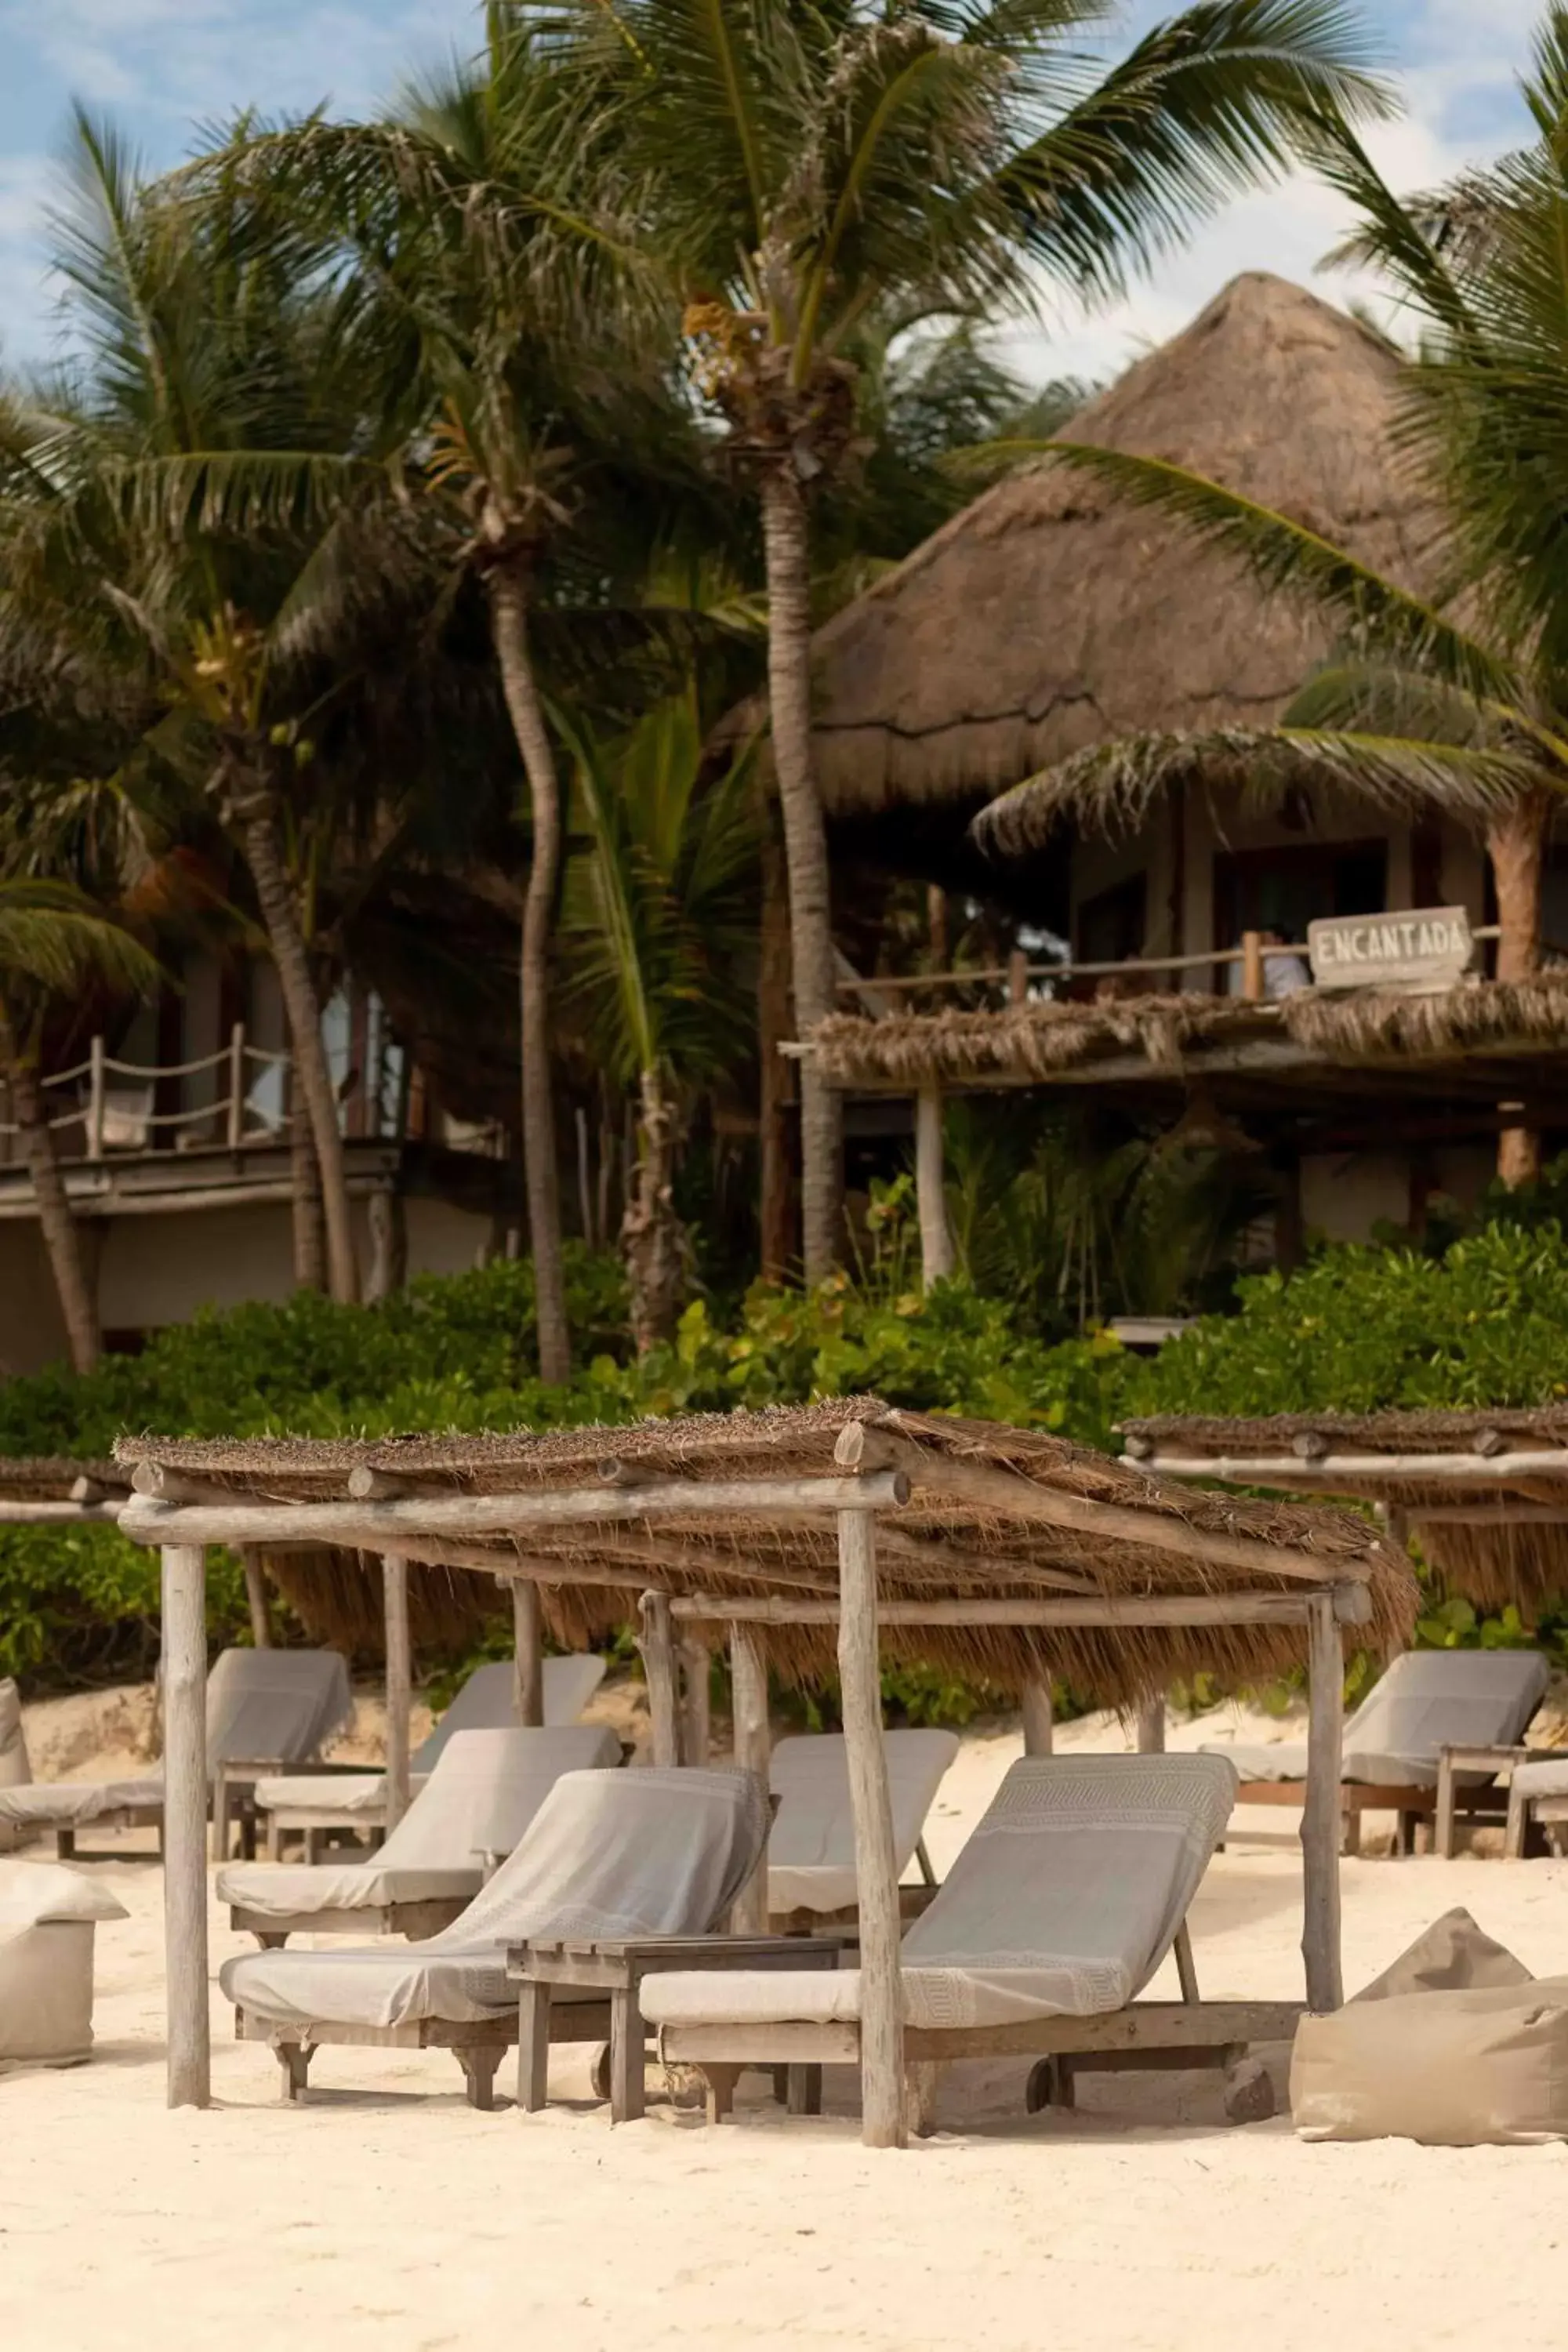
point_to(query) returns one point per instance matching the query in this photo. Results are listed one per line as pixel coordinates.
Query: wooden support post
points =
(185, 1688)
(1039, 1718)
(876, 1869)
(1018, 977)
(936, 1240)
(1320, 1816)
(1252, 979)
(399, 1687)
(753, 1752)
(235, 1120)
(696, 1727)
(657, 1642)
(256, 1597)
(96, 1099)
(528, 1654)
(1152, 1728)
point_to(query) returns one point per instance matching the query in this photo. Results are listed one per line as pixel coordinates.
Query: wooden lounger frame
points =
(478, 2044)
(272, 1929)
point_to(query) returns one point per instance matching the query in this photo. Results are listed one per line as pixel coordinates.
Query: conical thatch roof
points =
(1050, 614)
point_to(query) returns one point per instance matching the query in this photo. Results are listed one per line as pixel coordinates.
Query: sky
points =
(159, 67)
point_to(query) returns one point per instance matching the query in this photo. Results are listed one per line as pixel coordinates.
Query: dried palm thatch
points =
(54, 1478)
(1491, 1023)
(1050, 614)
(1513, 1549)
(985, 1522)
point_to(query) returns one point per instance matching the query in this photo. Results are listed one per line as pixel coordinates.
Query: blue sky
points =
(158, 66)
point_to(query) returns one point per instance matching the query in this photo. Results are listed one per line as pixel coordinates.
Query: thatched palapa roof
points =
(995, 1515)
(1485, 1490)
(1469, 1041)
(1050, 614)
(55, 1478)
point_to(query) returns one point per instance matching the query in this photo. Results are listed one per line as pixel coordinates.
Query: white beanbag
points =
(47, 1913)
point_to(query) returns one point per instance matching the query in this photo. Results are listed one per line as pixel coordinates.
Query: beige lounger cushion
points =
(277, 1704)
(811, 1851)
(1063, 1903)
(46, 1918)
(15, 1768)
(1450, 2069)
(487, 1702)
(1547, 1779)
(1429, 1699)
(653, 1851)
(1454, 1954)
(479, 1800)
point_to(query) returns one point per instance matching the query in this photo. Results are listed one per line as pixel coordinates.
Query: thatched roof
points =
(1468, 1041)
(1510, 1542)
(985, 1522)
(52, 1478)
(1050, 614)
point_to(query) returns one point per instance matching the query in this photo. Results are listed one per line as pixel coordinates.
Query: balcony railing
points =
(104, 1107)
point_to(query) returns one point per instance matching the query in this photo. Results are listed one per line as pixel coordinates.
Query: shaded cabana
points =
(1484, 1491)
(818, 1538)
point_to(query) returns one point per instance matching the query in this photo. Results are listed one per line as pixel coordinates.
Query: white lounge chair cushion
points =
(46, 1918)
(1429, 1699)
(1547, 1779)
(479, 1800)
(811, 1851)
(14, 1768)
(346, 1794)
(652, 1852)
(69, 1804)
(1063, 1903)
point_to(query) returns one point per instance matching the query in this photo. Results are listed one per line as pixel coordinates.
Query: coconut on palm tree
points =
(803, 167)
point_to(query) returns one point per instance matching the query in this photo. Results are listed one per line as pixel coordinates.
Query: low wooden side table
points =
(1452, 1794)
(616, 1966)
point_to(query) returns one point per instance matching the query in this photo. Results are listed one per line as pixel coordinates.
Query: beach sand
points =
(386, 2213)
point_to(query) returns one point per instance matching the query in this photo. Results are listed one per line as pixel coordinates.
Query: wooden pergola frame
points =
(183, 1515)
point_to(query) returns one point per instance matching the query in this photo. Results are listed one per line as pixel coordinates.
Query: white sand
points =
(387, 2214)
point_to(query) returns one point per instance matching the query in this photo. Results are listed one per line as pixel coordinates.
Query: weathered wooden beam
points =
(696, 1702)
(375, 1526)
(160, 1485)
(1261, 1469)
(876, 1863)
(528, 1654)
(1320, 1813)
(1488, 1515)
(18, 1514)
(1039, 1717)
(1142, 1608)
(752, 1749)
(184, 1689)
(399, 1686)
(953, 1560)
(657, 1646)
(1152, 1728)
(256, 1597)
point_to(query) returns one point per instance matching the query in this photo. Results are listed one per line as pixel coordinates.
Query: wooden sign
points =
(1427, 948)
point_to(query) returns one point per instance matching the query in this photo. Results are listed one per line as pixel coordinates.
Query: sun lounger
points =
(1428, 1700)
(1059, 1910)
(46, 1919)
(1537, 1802)
(485, 1789)
(811, 1850)
(310, 1803)
(654, 1852)
(265, 1707)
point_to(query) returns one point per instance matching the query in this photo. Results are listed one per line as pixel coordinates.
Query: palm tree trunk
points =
(651, 1235)
(805, 850)
(305, 1186)
(776, 1205)
(1516, 842)
(508, 623)
(62, 1237)
(312, 1078)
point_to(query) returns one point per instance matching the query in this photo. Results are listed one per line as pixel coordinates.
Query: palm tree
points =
(1421, 708)
(804, 166)
(659, 920)
(55, 940)
(497, 291)
(190, 515)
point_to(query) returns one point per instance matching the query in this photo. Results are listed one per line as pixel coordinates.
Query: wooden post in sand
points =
(399, 1686)
(936, 1240)
(752, 1749)
(657, 1642)
(696, 1708)
(528, 1654)
(1039, 1717)
(1321, 1815)
(256, 1597)
(185, 1680)
(876, 1866)
(1152, 1728)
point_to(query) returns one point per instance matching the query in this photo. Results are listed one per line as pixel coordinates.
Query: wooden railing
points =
(1022, 979)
